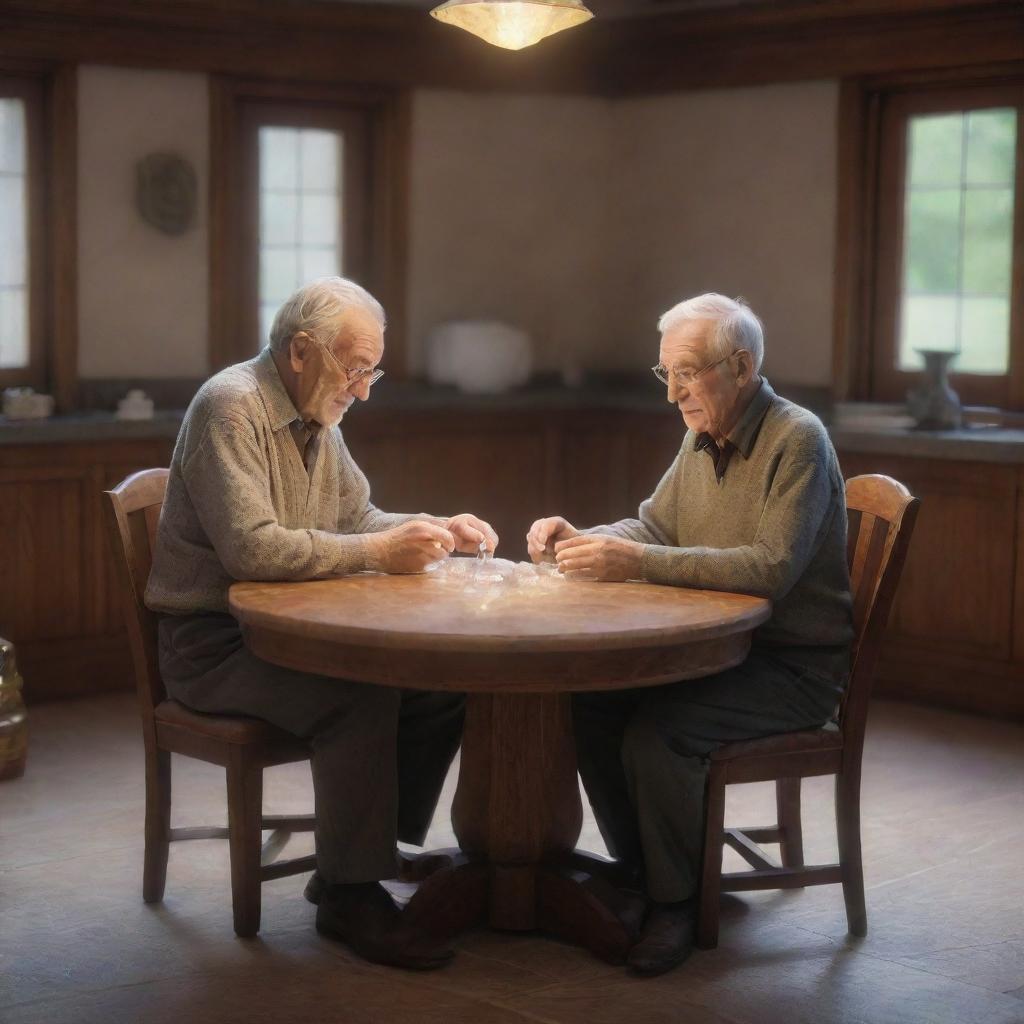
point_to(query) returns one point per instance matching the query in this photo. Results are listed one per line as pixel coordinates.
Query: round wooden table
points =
(517, 652)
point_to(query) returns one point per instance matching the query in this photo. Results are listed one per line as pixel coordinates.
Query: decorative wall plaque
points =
(165, 192)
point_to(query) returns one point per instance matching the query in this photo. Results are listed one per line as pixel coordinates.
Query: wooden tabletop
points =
(433, 633)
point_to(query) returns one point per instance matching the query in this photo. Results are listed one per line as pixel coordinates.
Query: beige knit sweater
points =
(773, 526)
(240, 504)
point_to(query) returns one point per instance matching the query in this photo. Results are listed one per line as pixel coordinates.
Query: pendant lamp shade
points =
(512, 24)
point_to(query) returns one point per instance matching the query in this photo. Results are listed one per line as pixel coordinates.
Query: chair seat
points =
(809, 740)
(226, 728)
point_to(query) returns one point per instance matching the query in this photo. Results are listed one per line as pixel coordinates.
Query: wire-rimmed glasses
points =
(684, 378)
(354, 374)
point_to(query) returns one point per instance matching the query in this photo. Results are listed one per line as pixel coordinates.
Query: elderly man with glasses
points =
(754, 503)
(262, 487)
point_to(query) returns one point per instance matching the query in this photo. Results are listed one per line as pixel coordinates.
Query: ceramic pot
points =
(934, 404)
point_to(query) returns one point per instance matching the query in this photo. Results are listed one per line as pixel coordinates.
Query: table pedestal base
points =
(563, 900)
(517, 816)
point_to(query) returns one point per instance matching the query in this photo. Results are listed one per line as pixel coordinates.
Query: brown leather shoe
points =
(665, 942)
(367, 920)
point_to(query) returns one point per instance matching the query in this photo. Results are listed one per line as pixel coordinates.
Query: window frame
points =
(374, 204)
(869, 255)
(34, 373)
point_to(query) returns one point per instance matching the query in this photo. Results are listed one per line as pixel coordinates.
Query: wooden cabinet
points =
(57, 603)
(957, 631)
(955, 634)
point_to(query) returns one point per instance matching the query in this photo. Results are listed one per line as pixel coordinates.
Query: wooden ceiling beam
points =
(746, 44)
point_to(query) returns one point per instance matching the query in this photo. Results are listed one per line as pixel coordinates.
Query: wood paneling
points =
(301, 41)
(953, 636)
(741, 44)
(489, 467)
(1018, 600)
(56, 597)
(956, 636)
(760, 43)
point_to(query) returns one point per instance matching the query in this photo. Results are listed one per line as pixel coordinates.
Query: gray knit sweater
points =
(240, 504)
(774, 525)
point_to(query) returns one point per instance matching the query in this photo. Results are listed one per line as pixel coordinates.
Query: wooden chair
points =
(881, 514)
(244, 746)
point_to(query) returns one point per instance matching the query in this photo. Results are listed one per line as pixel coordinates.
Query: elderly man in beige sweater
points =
(753, 503)
(262, 487)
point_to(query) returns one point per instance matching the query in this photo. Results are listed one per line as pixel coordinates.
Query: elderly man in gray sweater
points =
(753, 503)
(262, 487)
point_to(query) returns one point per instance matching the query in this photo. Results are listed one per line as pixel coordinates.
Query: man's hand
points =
(600, 557)
(544, 534)
(468, 531)
(410, 547)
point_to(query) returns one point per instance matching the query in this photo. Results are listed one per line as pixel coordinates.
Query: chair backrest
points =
(133, 511)
(881, 513)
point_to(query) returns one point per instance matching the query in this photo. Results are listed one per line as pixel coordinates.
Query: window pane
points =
(935, 149)
(13, 327)
(319, 220)
(279, 158)
(933, 240)
(12, 136)
(958, 239)
(300, 212)
(984, 336)
(14, 341)
(279, 218)
(13, 248)
(319, 263)
(991, 141)
(928, 321)
(279, 274)
(988, 241)
(320, 156)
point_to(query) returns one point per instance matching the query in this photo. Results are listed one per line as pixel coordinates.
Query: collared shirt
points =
(774, 526)
(306, 437)
(742, 436)
(242, 505)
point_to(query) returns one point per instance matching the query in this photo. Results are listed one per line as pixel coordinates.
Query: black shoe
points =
(367, 920)
(666, 940)
(315, 888)
(409, 867)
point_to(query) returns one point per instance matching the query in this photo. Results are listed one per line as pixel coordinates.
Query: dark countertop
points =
(857, 428)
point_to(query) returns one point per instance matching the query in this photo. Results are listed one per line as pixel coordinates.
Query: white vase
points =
(479, 356)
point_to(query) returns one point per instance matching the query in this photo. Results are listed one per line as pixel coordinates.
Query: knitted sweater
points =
(240, 504)
(774, 526)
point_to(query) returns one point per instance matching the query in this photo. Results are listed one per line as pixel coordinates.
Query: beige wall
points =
(577, 219)
(142, 295)
(730, 191)
(509, 217)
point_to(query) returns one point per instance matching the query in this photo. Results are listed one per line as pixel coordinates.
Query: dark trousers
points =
(643, 756)
(379, 755)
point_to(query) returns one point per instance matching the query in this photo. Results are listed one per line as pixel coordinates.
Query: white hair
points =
(319, 308)
(735, 325)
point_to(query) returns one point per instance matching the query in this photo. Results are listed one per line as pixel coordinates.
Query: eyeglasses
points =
(353, 375)
(685, 378)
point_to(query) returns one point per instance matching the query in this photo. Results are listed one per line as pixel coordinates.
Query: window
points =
(940, 254)
(22, 358)
(301, 200)
(304, 186)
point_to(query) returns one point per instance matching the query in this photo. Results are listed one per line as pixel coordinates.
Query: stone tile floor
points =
(944, 821)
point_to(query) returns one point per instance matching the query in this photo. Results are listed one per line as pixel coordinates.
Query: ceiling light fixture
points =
(512, 24)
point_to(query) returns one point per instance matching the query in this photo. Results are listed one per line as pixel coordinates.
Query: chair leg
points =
(711, 870)
(850, 862)
(245, 819)
(158, 823)
(787, 801)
